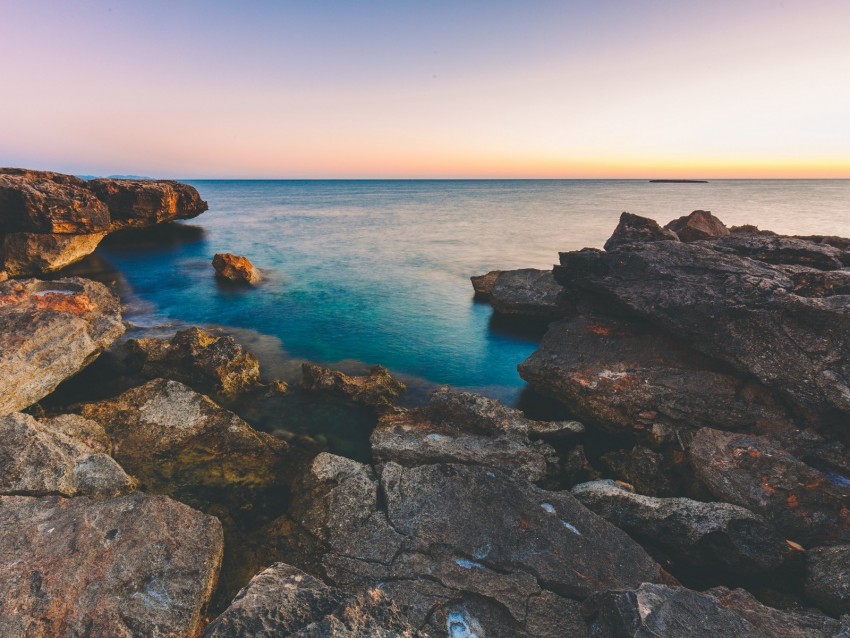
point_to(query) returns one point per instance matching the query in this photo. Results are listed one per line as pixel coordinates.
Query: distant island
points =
(678, 181)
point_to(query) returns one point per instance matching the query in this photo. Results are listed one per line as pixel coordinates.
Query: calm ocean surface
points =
(378, 271)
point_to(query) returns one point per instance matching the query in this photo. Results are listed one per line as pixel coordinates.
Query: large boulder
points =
(675, 612)
(808, 506)
(378, 389)
(136, 203)
(36, 460)
(176, 441)
(49, 331)
(34, 253)
(828, 578)
(235, 268)
(460, 427)
(284, 601)
(134, 565)
(692, 532)
(528, 292)
(465, 542)
(211, 364)
(636, 229)
(777, 323)
(627, 376)
(700, 224)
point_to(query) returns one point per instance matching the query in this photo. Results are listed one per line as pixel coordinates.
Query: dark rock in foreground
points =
(49, 331)
(636, 229)
(284, 601)
(135, 565)
(676, 612)
(713, 535)
(235, 268)
(828, 578)
(753, 472)
(377, 390)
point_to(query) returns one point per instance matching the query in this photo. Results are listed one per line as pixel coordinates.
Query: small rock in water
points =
(378, 389)
(235, 268)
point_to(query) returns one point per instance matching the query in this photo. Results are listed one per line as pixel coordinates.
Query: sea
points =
(367, 272)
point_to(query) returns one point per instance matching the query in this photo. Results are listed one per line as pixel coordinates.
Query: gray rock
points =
(675, 612)
(135, 565)
(36, 460)
(692, 532)
(284, 601)
(49, 331)
(636, 229)
(415, 534)
(828, 578)
(528, 292)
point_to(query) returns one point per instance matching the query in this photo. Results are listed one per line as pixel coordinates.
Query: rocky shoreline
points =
(695, 480)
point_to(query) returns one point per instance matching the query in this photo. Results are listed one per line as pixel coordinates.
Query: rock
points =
(465, 545)
(712, 535)
(145, 202)
(40, 205)
(36, 460)
(459, 427)
(700, 224)
(32, 253)
(49, 331)
(636, 229)
(176, 441)
(753, 472)
(731, 308)
(676, 612)
(210, 364)
(528, 293)
(627, 377)
(788, 251)
(284, 601)
(82, 430)
(134, 565)
(235, 268)
(828, 578)
(483, 284)
(641, 468)
(32, 175)
(378, 389)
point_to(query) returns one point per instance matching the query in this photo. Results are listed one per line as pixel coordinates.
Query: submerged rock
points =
(235, 268)
(676, 612)
(483, 284)
(415, 533)
(828, 578)
(378, 389)
(210, 364)
(636, 229)
(135, 565)
(528, 292)
(459, 427)
(49, 331)
(755, 473)
(700, 224)
(284, 601)
(136, 203)
(36, 460)
(713, 535)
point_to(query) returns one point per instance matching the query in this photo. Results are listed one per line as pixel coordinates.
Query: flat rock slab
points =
(675, 612)
(283, 601)
(806, 505)
(130, 566)
(468, 543)
(37, 460)
(49, 331)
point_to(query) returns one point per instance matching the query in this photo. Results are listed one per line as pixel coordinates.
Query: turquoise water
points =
(378, 271)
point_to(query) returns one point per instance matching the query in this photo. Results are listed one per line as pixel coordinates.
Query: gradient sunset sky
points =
(312, 89)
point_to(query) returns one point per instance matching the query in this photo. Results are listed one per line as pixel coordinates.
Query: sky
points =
(427, 89)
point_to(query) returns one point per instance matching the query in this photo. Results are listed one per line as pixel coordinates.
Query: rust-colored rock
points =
(136, 203)
(483, 284)
(30, 174)
(25, 254)
(634, 229)
(378, 389)
(700, 224)
(235, 268)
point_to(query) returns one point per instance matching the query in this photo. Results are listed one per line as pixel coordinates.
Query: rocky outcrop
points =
(36, 460)
(137, 203)
(676, 612)
(377, 390)
(483, 284)
(514, 564)
(713, 535)
(827, 582)
(235, 268)
(24, 254)
(460, 427)
(636, 229)
(134, 565)
(700, 224)
(627, 376)
(284, 601)
(176, 441)
(49, 331)
(528, 293)
(804, 504)
(211, 364)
